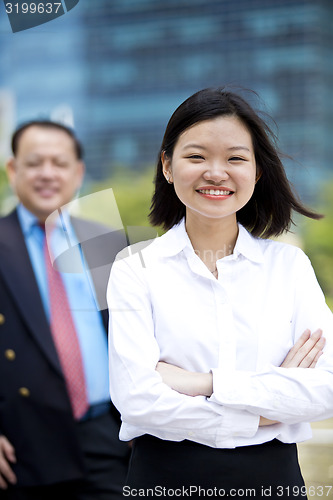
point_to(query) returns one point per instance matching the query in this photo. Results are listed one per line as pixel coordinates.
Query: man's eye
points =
(32, 164)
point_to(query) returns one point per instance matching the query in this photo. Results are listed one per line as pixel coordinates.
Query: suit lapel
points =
(18, 274)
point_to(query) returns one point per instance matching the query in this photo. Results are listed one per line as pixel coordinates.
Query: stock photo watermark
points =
(24, 15)
(214, 492)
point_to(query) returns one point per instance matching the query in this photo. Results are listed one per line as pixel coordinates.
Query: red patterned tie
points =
(65, 339)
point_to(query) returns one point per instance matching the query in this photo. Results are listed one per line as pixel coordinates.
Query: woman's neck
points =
(212, 239)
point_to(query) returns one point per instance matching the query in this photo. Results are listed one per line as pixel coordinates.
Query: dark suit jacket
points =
(35, 413)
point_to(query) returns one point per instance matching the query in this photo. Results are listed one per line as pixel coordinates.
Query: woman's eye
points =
(236, 158)
(196, 157)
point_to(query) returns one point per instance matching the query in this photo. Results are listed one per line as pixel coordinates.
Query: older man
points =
(58, 428)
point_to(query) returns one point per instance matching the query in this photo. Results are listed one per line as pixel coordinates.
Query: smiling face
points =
(45, 173)
(213, 168)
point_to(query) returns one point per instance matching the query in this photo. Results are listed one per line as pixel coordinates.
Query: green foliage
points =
(133, 192)
(318, 242)
(4, 187)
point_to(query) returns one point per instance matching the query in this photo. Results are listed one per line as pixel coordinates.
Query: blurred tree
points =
(4, 187)
(132, 190)
(318, 242)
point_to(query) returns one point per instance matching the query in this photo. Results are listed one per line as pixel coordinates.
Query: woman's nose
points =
(216, 172)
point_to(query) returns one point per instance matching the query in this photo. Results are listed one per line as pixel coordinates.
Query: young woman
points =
(217, 334)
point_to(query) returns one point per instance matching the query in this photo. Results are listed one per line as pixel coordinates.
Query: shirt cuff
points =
(241, 424)
(229, 387)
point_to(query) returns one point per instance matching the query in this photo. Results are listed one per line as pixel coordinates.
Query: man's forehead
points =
(37, 138)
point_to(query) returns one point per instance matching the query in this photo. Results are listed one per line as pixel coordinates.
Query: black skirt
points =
(161, 468)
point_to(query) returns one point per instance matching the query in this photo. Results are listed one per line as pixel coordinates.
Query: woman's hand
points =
(184, 381)
(306, 352)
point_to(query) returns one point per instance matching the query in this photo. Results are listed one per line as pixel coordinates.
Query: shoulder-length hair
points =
(269, 211)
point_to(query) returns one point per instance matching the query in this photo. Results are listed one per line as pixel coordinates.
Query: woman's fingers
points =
(306, 352)
(294, 350)
(310, 360)
(314, 362)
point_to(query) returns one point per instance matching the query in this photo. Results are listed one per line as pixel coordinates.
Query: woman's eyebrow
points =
(193, 145)
(200, 146)
(233, 148)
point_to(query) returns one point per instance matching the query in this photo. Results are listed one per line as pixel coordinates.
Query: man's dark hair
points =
(269, 211)
(47, 124)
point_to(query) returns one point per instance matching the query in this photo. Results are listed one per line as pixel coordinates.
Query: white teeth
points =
(215, 192)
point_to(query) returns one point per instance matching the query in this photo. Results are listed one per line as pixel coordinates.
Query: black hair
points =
(47, 124)
(269, 211)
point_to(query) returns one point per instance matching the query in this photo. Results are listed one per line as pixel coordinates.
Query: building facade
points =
(123, 66)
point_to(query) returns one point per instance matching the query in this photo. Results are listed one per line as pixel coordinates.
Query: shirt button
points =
(2, 319)
(190, 433)
(23, 391)
(276, 403)
(10, 354)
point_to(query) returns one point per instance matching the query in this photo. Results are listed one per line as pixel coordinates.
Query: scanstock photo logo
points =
(24, 15)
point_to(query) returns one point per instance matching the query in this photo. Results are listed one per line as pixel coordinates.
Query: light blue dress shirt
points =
(82, 300)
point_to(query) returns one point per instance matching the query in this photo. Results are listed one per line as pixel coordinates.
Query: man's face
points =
(45, 173)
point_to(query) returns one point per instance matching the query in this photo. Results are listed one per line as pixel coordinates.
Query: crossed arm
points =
(304, 354)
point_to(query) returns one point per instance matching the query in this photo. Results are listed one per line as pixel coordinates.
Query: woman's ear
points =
(259, 174)
(166, 167)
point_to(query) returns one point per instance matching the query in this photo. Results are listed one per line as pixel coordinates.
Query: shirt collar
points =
(176, 240)
(248, 246)
(28, 220)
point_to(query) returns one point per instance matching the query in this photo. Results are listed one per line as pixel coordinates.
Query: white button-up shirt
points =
(165, 305)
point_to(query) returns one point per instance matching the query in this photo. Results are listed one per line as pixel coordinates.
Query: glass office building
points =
(43, 67)
(123, 66)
